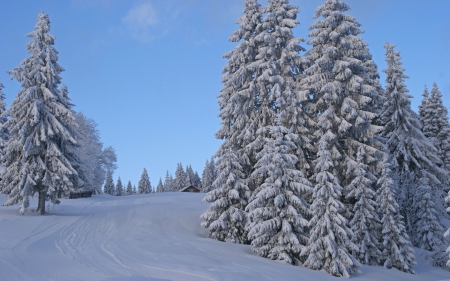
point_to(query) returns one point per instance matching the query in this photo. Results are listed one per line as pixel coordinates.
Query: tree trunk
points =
(41, 204)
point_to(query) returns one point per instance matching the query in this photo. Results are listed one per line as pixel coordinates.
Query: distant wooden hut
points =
(190, 188)
(80, 194)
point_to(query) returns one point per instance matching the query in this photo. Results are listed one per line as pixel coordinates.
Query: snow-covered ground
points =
(147, 237)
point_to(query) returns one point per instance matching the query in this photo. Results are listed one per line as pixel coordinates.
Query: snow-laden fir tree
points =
(226, 217)
(206, 181)
(89, 152)
(39, 155)
(428, 228)
(277, 207)
(4, 134)
(109, 187)
(238, 97)
(134, 189)
(129, 188)
(434, 118)
(197, 181)
(365, 223)
(168, 187)
(414, 156)
(397, 251)
(144, 185)
(343, 94)
(119, 188)
(189, 180)
(180, 178)
(329, 246)
(160, 187)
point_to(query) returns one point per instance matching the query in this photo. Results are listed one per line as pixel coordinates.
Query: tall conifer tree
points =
(40, 153)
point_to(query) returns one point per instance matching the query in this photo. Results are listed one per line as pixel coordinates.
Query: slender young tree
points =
(129, 188)
(226, 217)
(397, 251)
(39, 155)
(365, 224)
(168, 183)
(180, 178)
(109, 187)
(434, 118)
(160, 187)
(414, 157)
(4, 134)
(144, 185)
(119, 188)
(134, 189)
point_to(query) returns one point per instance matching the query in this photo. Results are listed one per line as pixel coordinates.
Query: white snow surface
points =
(152, 237)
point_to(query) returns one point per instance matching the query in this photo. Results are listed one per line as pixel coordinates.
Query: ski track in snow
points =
(153, 237)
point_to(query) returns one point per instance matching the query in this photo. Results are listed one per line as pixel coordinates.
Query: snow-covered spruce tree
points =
(4, 134)
(189, 176)
(180, 178)
(428, 228)
(144, 185)
(89, 152)
(226, 217)
(434, 118)
(129, 188)
(168, 183)
(365, 223)
(397, 251)
(329, 246)
(39, 155)
(119, 188)
(206, 181)
(134, 189)
(447, 233)
(238, 97)
(197, 181)
(414, 157)
(109, 187)
(342, 90)
(159, 187)
(277, 208)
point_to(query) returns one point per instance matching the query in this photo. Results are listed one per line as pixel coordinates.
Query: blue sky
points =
(148, 72)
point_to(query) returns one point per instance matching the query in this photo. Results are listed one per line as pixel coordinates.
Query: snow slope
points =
(150, 237)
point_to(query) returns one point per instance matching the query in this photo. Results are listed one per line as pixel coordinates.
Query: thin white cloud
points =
(139, 21)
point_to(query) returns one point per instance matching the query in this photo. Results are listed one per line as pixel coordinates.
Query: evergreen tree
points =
(414, 157)
(428, 227)
(277, 208)
(39, 155)
(226, 217)
(168, 183)
(329, 246)
(89, 152)
(109, 187)
(197, 182)
(4, 134)
(129, 188)
(119, 188)
(144, 185)
(341, 83)
(434, 118)
(397, 249)
(206, 178)
(189, 176)
(180, 178)
(238, 99)
(160, 187)
(365, 223)
(134, 189)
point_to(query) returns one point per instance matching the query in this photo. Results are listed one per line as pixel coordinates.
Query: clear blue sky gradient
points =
(148, 72)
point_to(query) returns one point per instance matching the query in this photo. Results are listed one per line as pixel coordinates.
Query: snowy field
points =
(151, 237)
